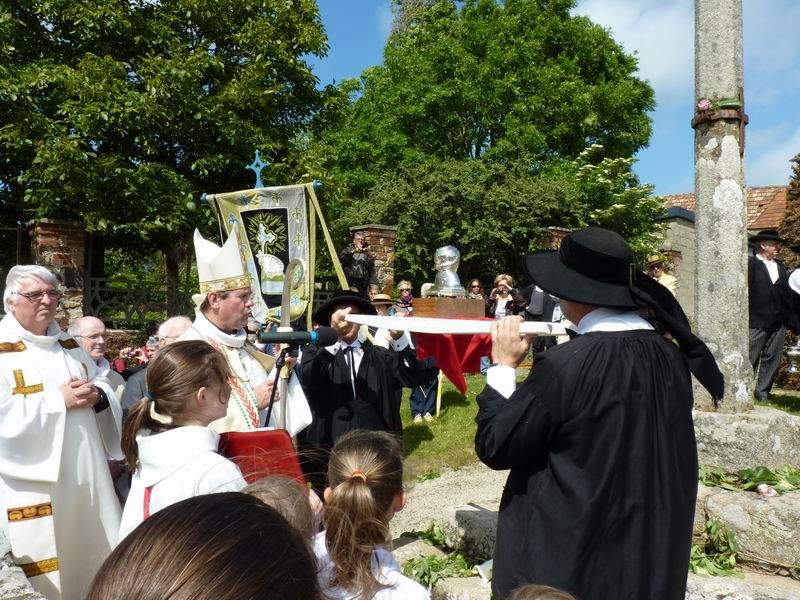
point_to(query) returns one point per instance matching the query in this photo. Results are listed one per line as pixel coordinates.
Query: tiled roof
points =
(765, 205)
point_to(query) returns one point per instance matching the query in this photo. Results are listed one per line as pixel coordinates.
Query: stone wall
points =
(382, 240)
(61, 247)
(679, 249)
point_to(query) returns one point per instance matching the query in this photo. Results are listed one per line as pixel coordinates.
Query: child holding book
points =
(166, 439)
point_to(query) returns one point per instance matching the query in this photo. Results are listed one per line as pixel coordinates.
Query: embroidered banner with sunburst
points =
(273, 229)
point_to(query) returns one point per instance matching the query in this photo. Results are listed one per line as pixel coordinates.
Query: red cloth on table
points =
(455, 354)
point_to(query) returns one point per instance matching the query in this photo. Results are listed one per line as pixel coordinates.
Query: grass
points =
(785, 400)
(449, 441)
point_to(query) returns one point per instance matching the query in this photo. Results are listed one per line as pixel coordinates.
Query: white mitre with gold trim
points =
(220, 269)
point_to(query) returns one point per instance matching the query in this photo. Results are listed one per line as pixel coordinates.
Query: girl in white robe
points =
(166, 439)
(365, 477)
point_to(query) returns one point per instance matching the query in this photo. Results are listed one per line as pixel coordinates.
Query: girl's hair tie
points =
(149, 396)
(358, 475)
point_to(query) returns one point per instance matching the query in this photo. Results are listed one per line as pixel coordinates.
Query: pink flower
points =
(766, 491)
(704, 104)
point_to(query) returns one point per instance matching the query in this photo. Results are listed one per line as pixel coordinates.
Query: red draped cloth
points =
(455, 354)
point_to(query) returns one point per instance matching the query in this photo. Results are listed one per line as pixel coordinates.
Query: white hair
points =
(179, 323)
(20, 273)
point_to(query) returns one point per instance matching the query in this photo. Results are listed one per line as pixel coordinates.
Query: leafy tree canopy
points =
(121, 112)
(490, 79)
(496, 211)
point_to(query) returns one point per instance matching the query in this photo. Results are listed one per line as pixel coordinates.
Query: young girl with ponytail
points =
(166, 439)
(365, 490)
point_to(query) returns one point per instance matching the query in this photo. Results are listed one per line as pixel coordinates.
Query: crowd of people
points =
(100, 478)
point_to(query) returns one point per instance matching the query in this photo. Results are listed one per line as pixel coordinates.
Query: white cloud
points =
(662, 35)
(771, 167)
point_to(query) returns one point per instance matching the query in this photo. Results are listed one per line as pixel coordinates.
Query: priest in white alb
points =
(224, 306)
(58, 422)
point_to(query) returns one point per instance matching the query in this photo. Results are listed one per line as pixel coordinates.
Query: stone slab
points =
(768, 528)
(461, 588)
(752, 586)
(406, 548)
(13, 583)
(700, 514)
(471, 528)
(763, 436)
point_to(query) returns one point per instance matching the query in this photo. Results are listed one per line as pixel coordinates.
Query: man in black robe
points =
(599, 438)
(352, 384)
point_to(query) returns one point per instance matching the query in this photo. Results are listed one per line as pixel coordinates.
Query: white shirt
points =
(177, 464)
(504, 379)
(358, 352)
(772, 267)
(384, 568)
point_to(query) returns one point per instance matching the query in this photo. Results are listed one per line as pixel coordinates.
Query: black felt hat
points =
(766, 235)
(595, 266)
(592, 266)
(338, 300)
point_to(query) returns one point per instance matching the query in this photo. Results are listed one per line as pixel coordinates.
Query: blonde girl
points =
(166, 439)
(365, 490)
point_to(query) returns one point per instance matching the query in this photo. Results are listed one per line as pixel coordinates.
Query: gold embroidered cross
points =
(23, 389)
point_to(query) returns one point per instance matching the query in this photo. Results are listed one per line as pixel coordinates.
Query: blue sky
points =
(661, 33)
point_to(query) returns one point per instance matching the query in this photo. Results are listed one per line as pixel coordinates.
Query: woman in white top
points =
(166, 439)
(504, 300)
(365, 478)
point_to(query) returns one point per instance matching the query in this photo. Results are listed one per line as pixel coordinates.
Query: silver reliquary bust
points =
(447, 283)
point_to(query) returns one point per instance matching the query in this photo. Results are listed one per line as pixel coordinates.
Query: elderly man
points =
(168, 332)
(769, 309)
(599, 438)
(58, 421)
(225, 302)
(92, 336)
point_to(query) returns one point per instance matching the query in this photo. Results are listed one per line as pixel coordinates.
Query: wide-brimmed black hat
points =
(595, 266)
(766, 235)
(338, 300)
(592, 266)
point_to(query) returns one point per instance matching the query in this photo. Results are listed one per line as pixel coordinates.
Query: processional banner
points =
(273, 230)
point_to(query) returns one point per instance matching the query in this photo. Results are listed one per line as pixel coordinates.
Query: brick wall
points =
(382, 240)
(61, 247)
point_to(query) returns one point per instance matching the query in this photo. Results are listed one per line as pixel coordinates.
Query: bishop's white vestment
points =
(249, 367)
(60, 512)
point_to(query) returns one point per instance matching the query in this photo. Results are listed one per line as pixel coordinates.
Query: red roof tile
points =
(766, 206)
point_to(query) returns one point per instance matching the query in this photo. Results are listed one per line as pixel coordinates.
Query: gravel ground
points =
(475, 483)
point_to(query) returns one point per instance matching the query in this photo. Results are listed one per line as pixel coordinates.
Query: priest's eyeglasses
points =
(95, 336)
(37, 296)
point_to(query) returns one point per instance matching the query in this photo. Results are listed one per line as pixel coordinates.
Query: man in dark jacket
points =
(358, 264)
(599, 438)
(769, 301)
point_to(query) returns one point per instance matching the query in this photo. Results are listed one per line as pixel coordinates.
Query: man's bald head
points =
(171, 329)
(91, 335)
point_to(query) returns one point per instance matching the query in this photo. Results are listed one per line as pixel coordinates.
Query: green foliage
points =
(717, 557)
(496, 210)
(482, 78)
(785, 479)
(433, 534)
(427, 570)
(790, 226)
(428, 475)
(122, 113)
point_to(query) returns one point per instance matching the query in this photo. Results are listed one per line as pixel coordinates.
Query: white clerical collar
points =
(50, 337)
(209, 330)
(610, 319)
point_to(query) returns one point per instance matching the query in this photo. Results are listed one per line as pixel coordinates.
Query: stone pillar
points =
(381, 240)
(61, 247)
(721, 219)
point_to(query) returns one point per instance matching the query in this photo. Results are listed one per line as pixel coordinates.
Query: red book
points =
(262, 452)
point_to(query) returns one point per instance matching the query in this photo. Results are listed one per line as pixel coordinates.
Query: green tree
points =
(790, 226)
(495, 211)
(120, 113)
(489, 79)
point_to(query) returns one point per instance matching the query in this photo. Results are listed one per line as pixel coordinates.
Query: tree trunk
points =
(172, 262)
